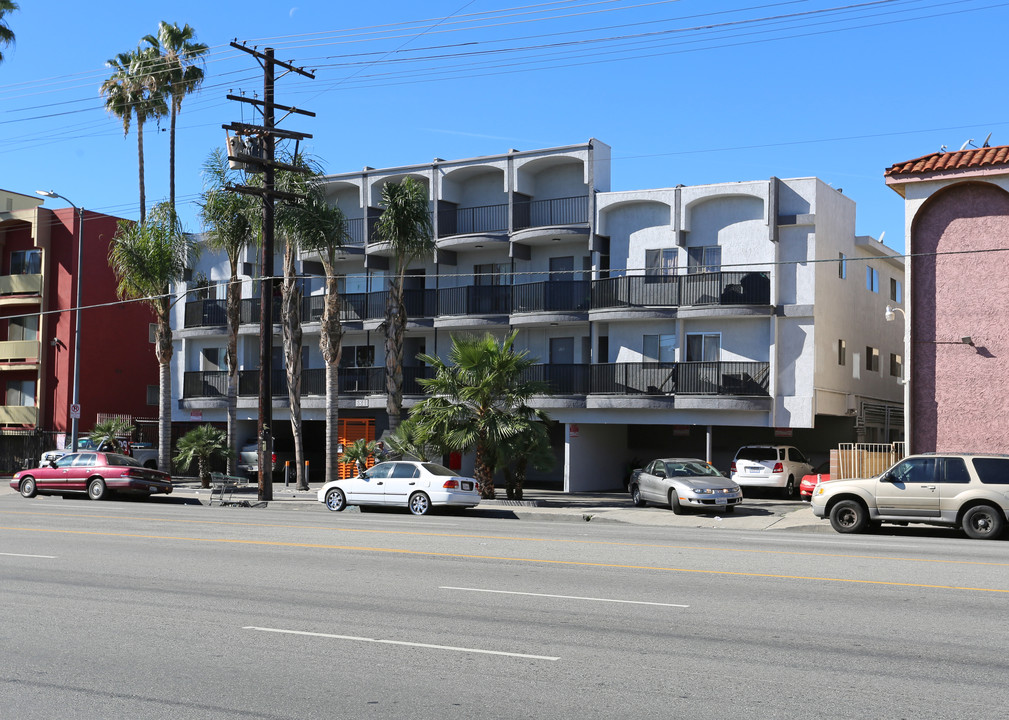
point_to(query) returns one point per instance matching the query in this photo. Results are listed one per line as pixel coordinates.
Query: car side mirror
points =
(888, 477)
(52, 463)
(660, 473)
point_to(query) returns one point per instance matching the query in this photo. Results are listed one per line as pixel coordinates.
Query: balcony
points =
(718, 288)
(19, 415)
(21, 284)
(469, 221)
(475, 300)
(543, 213)
(19, 351)
(556, 296)
(681, 378)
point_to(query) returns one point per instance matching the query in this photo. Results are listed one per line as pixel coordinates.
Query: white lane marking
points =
(400, 642)
(46, 557)
(564, 597)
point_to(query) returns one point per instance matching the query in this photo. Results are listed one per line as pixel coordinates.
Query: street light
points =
(74, 421)
(891, 315)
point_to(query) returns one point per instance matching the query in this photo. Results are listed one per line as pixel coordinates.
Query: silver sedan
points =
(683, 483)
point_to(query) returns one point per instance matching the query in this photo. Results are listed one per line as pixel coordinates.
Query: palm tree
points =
(111, 432)
(181, 74)
(416, 440)
(146, 259)
(322, 230)
(6, 34)
(359, 452)
(479, 400)
(405, 224)
(135, 90)
(530, 447)
(202, 445)
(231, 221)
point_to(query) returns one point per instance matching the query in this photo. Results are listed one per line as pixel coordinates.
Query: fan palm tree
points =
(416, 440)
(231, 221)
(181, 75)
(6, 34)
(479, 400)
(146, 259)
(135, 89)
(529, 447)
(359, 452)
(201, 445)
(111, 432)
(322, 230)
(405, 224)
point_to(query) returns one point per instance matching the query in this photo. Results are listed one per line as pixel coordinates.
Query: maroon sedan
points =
(96, 473)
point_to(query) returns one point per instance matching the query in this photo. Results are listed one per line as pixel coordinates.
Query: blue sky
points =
(684, 91)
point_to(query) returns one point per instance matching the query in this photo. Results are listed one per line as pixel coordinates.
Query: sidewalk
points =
(539, 504)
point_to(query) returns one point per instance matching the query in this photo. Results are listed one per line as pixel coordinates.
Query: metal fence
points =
(864, 460)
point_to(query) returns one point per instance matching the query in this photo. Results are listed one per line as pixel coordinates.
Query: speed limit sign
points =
(75, 411)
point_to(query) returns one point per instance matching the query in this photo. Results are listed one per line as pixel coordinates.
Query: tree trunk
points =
(291, 324)
(171, 159)
(483, 471)
(395, 328)
(163, 351)
(331, 346)
(140, 156)
(234, 306)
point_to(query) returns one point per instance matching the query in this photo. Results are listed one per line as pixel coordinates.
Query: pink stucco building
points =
(957, 234)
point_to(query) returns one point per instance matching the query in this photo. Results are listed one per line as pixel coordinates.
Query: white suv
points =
(776, 466)
(954, 489)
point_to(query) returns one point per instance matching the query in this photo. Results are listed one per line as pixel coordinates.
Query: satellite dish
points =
(985, 143)
(964, 146)
(881, 236)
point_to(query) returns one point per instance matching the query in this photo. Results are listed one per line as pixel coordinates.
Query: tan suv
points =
(955, 489)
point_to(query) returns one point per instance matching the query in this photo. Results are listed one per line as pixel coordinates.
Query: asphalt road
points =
(164, 609)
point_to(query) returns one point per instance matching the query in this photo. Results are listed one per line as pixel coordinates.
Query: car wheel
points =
(420, 504)
(96, 489)
(729, 509)
(636, 496)
(983, 522)
(849, 516)
(28, 488)
(674, 503)
(790, 488)
(336, 500)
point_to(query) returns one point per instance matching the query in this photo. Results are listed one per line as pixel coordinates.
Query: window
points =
(872, 358)
(956, 471)
(352, 283)
(704, 347)
(895, 290)
(357, 356)
(914, 470)
(872, 279)
(153, 395)
(26, 262)
(152, 333)
(21, 392)
(992, 471)
(23, 328)
(660, 263)
(895, 365)
(842, 352)
(704, 259)
(842, 266)
(212, 359)
(659, 348)
(492, 274)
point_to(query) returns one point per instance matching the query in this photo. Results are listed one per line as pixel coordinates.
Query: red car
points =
(821, 473)
(96, 473)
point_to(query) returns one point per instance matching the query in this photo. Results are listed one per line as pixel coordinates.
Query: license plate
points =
(467, 486)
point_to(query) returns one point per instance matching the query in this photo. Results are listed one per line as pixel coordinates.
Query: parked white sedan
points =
(403, 483)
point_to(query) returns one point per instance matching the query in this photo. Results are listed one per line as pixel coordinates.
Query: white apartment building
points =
(681, 321)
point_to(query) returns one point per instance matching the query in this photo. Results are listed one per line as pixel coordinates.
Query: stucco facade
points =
(683, 320)
(957, 229)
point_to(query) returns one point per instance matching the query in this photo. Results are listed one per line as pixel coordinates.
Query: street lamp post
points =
(74, 421)
(891, 315)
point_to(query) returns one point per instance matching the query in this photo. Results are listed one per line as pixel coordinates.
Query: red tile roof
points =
(974, 158)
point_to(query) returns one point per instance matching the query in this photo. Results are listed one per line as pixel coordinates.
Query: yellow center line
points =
(574, 563)
(470, 536)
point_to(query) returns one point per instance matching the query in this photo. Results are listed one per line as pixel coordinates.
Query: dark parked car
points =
(96, 473)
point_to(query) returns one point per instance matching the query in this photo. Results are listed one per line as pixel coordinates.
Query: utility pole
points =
(260, 156)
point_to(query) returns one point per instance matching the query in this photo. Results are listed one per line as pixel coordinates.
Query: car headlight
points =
(820, 490)
(704, 491)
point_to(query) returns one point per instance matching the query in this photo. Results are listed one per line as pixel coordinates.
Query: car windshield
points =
(697, 467)
(757, 454)
(436, 469)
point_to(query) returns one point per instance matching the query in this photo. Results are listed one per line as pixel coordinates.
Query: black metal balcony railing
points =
(464, 221)
(559, 211)
(725, 288)
(356, 232)
(717, 288)
(644, 378)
